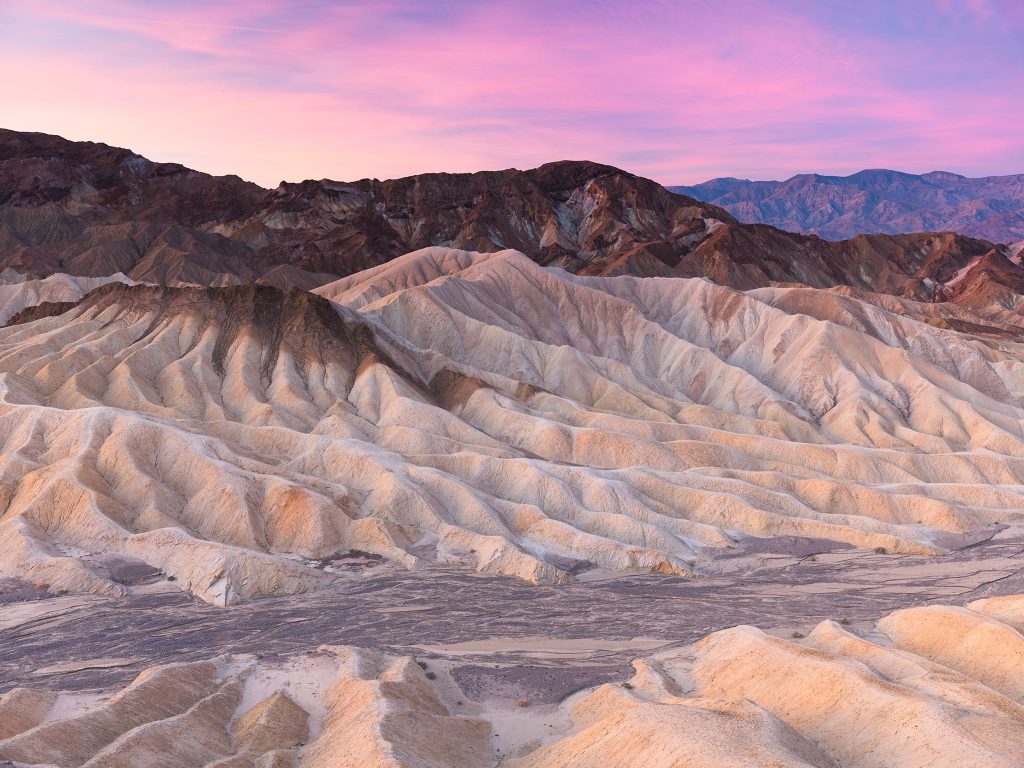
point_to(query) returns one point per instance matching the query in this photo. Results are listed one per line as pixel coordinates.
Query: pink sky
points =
(677, 91)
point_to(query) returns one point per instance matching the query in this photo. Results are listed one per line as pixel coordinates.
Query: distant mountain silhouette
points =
(875, 201)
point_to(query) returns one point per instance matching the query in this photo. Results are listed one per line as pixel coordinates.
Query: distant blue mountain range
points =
(840, 207)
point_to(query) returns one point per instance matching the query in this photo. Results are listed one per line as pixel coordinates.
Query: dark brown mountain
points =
(882, 201)
(91, 209)
(992, 280)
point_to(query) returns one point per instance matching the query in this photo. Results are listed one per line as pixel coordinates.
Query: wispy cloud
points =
(678, 91)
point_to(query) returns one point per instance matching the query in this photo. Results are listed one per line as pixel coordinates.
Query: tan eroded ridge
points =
(477, 408)
(19, 292)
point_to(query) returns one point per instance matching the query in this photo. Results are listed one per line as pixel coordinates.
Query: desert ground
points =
(516, 665)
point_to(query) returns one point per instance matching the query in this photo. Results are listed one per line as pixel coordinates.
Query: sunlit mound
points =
(479, 409)
(933, 686)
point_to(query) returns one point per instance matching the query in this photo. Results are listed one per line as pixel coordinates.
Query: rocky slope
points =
(473, 408)
(924, 687)
(875, 201)
(19, 292)
(93, 210)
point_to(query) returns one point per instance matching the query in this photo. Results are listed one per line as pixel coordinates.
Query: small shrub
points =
(845, 622)
(422, 664)
(431, 676)
(798, 635)
(881, 551)
(628, 686)
(172, 578)
(522, 703)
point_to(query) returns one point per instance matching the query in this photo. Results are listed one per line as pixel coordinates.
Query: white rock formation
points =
(1015, 250)
(18, 291)
(479, 409)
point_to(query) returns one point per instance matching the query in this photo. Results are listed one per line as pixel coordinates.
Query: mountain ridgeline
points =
(92, 210)
(876, 201)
